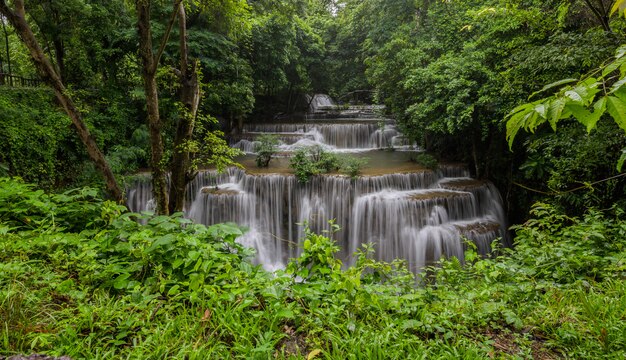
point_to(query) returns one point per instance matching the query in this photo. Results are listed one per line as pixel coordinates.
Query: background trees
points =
(449, 72)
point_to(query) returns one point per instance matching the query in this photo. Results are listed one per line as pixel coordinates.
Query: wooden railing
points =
(15, 80)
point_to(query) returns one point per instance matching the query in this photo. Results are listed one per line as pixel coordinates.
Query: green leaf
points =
(161, 241)
(620, 162)
(613, 66)
(586, 117)
(173, 290)
(617, 109)
(553, 85)
(121, 281)
(618, 85)
(285, 314)
(555, 110)
(599, 108)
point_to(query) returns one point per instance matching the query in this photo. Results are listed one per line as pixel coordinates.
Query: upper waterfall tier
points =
(337, 136)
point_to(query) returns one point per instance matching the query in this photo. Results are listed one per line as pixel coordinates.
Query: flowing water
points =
(406, 211)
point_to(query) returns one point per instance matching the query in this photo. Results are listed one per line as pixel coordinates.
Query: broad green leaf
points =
(619, 7)
(584, 92)
(161, 241)
(173, 290)
(618, 85)
(574, 96)
(541, 109)
(617, 109)
(599, 108)
(613, 66)
(516, 121)
(121, 281)
(521, 108)
(285, 314)
(533, 120)
(620, 162)
(555, 110)
(553, 85)
(580, 113)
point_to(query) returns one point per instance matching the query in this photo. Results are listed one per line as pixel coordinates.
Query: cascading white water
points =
(410, 215)
(347, 135)
(418, 215)
(320, 102)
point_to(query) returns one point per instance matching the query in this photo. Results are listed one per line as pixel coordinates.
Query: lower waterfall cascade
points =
(417, 216)
(414, 214)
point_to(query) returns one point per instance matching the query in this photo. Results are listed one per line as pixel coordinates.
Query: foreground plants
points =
(81, 277)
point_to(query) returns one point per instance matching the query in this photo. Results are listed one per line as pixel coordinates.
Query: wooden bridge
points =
(15, 80)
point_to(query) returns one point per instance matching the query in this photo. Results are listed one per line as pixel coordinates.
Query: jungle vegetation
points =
(531, 94)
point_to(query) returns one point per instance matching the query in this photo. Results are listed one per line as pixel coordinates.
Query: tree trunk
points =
(6, 39)
(59, 52)
(601, 13)
(17, 18)
(190, 98)
(159, 179)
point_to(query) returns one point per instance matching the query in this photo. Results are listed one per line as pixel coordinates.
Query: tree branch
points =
(166, 36)
(184, 61)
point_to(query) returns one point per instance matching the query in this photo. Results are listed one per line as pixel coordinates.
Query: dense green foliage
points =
(101, 285)
(265, 149)
(314, 160)
(426, 160)
(451, 71)
(80, 276)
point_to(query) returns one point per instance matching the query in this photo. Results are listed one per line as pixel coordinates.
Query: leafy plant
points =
(426, 160)
(352, 165)
(580, 101)
(265, 148)
(97, 283)
(311, 161)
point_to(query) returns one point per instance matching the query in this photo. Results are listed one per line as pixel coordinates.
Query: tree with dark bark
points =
(181, 169)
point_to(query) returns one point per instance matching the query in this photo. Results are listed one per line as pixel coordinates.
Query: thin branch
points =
(166, 36)
(184, 61)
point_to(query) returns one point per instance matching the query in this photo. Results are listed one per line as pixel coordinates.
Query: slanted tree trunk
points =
(190, 98)
(17, 18)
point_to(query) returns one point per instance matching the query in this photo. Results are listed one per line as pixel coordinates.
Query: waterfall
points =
(418, 216)
(346, 135)
(406, 212)
(320, 102)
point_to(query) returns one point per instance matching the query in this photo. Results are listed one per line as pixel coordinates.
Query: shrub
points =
(265, 148)
(426, 160)
(352, 166)
(311, 161)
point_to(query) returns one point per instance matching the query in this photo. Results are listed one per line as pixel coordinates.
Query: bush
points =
(352, 166)
(265, 148)
(311, 161)
(426, 160)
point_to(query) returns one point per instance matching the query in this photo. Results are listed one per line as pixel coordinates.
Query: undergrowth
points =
(82, 277)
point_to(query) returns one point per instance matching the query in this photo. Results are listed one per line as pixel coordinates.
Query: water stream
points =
(404, 210)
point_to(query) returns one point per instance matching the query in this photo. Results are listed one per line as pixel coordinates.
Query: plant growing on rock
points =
(265, 149)
(426, 160)
(314, 160)
(352, 166)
